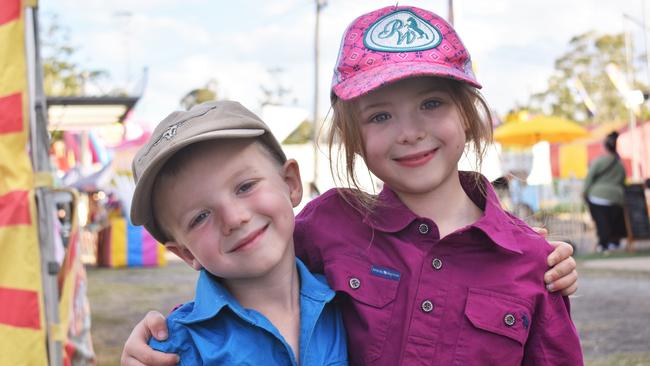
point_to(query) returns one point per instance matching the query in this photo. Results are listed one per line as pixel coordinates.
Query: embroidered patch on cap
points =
(401, 31)
(384, 272)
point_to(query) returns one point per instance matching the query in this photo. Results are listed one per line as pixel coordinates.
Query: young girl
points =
(431, 270)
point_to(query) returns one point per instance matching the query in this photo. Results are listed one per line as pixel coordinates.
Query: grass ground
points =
(119, 298)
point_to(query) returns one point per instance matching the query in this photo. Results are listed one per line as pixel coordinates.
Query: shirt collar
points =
(313, 286)
(502, 228)
(391, 215)
(211, 296)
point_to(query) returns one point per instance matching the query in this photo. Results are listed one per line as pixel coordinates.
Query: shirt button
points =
(436, 264)
(423, 228)
(509, 319)
(354, 283)
(427, 306)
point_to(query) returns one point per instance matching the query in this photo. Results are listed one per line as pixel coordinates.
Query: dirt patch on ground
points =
(119, 298)
(612, 314)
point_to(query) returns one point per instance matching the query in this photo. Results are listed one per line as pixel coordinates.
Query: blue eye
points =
(379, 117)
(246, 186)
(199, 218)
(431, 104)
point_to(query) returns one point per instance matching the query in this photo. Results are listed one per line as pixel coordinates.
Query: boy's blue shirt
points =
(215, 329)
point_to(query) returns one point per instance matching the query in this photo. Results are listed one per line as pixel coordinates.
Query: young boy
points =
(215, 187)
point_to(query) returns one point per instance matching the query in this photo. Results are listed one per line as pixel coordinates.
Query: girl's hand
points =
(136, 350)
(563, 275)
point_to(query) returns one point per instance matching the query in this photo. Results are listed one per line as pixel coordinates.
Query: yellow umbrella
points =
(539, 128)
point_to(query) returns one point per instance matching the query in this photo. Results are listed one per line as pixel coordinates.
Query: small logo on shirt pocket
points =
(525, 320)
(386, 273)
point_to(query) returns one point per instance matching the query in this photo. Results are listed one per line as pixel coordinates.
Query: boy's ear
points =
(291, 173)
(184, 254)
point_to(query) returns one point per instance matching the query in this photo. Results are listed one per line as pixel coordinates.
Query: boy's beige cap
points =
(212, 120)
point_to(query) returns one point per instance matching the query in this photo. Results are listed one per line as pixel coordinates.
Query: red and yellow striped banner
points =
(22, 329)
(9, 11)
(14, 209)
(11, 114)
(21, 308)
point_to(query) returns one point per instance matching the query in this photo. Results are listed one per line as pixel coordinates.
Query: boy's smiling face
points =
(229, 208)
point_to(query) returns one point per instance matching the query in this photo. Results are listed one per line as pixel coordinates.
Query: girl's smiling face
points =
(413, 135)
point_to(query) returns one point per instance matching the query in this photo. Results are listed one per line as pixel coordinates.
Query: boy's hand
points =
(136, 350)
(563, 275)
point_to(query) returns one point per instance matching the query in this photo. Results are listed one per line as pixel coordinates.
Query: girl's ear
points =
(291, 175)
(184, 254)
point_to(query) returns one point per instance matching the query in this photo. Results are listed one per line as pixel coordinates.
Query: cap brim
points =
(369, 80)
(141, 206)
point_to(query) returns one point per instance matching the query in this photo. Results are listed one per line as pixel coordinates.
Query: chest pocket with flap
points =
(369, 299)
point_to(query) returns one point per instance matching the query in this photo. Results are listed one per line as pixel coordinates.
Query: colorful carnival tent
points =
(113, 240)
(127, 245)
(571, 160)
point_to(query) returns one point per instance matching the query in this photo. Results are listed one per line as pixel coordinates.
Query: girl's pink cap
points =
(394, 43)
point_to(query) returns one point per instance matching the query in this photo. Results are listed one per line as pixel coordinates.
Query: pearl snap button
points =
(354, 283)
(436, 264)
(427, 306)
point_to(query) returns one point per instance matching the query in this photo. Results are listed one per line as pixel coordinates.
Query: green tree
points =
(61, 75)
(586, 62)
(301, 135)
(197, 96)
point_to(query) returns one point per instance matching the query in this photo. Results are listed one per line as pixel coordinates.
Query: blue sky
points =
(186, 43)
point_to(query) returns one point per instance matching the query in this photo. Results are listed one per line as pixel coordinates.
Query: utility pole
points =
(124, 18)
(636, 173)
(642, 25)
(645, 42)
(629, 73)
(320, 4)
(450, 12)
(39, 141)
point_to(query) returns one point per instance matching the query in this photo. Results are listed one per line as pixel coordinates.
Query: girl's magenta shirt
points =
(409, 297)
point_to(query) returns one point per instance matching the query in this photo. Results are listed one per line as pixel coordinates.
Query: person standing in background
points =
(604, 194)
